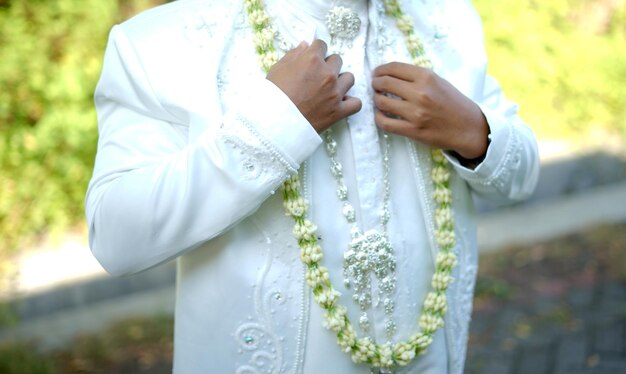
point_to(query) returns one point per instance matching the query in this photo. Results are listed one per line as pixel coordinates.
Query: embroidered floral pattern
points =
(263, 348)
(511, 161)
(258, 157)
(256, 338)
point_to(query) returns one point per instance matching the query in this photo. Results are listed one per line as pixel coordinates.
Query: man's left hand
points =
(427, 108)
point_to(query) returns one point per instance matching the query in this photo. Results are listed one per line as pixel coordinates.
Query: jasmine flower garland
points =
(364, 350)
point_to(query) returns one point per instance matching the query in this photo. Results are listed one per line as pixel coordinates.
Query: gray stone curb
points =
(93, 291)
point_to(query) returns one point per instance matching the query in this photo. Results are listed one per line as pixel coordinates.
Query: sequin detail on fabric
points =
(258, 157)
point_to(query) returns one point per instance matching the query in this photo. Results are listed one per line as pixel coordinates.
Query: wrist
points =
(472, 163)
(477, 135)
(477, 149)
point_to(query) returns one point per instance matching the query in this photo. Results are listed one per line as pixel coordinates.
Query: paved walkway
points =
(504, 342)
(558, 307)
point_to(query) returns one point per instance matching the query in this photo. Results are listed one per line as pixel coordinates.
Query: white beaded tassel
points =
(369, 254)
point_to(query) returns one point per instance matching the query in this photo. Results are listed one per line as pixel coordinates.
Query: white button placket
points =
(364, 136)
(367, 156)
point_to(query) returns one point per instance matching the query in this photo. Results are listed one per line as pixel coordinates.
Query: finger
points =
(335, 62)
(393, 107)
(349, 106)
(319, 47)
(400, 70)
(299, 49)
(345, 82)
(394, 86)
(393, 125)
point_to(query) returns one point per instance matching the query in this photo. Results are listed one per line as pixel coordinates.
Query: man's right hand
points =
(312, 81)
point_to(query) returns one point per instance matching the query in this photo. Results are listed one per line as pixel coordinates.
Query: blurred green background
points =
(564, 61)
(51, 59)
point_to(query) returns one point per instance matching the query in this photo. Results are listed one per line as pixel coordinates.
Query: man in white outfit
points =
(199, 129)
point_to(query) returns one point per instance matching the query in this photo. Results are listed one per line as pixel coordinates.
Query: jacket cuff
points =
(276, 118)
(500, 135)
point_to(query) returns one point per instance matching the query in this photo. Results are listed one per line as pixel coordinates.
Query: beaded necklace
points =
(386, 356)
(369, 253)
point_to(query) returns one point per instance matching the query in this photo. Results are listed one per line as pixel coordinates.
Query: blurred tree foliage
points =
(563, 61)
(24, 358)
(51, 59)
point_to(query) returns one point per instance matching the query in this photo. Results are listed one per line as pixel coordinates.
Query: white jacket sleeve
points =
(155, 194)
(510, 170)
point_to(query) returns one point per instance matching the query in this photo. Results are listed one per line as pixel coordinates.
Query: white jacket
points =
(179, 176)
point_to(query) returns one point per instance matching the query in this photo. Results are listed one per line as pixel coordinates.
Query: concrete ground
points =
(557, 306)
(596, 344)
